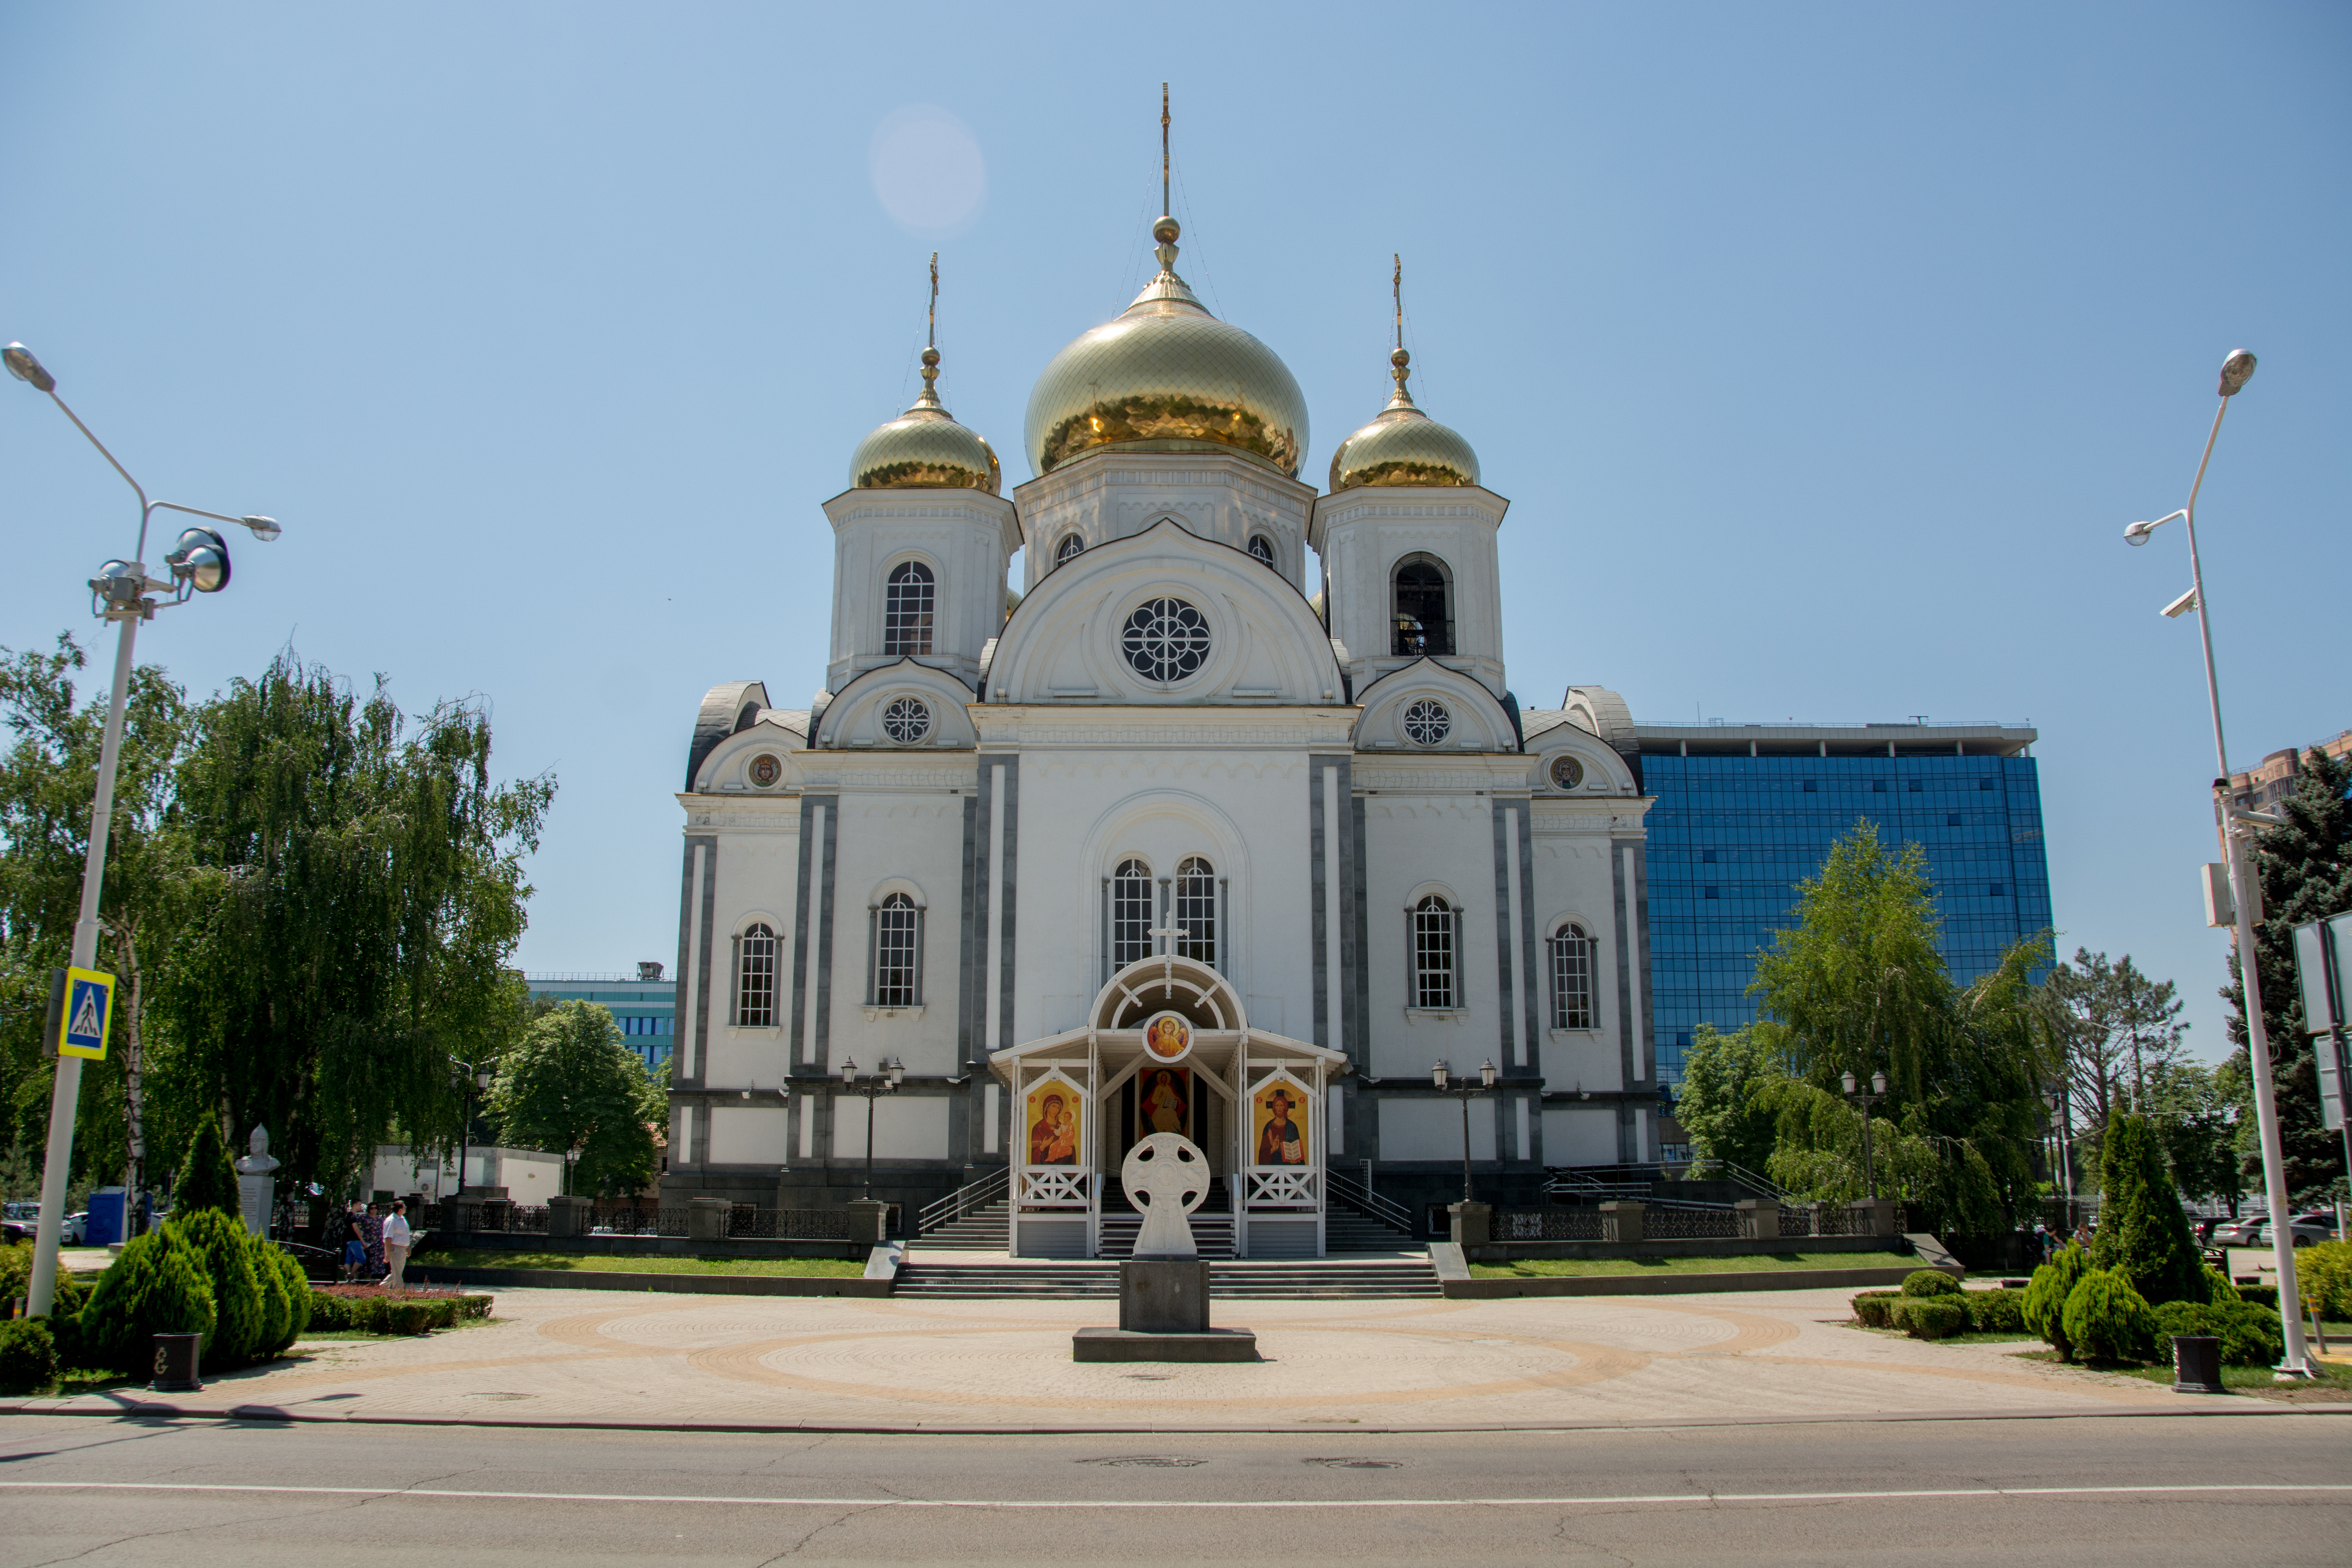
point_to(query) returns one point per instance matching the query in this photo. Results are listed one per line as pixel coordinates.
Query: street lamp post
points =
(476, 1077)
(1866, 1098)
(121, 593)
(883, 1081)
(2237, 828)
(1441, 1076)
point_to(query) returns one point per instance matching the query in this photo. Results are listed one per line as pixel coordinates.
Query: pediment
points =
(1428, 707)
(881, 708)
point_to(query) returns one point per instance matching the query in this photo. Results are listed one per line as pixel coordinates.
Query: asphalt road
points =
(2271, 1489)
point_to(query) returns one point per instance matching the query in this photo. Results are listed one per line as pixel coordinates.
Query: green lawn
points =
(612, 1263)
(1571, 1268)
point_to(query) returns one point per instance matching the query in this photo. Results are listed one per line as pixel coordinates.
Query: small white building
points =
(529, 1176)
(988, 836)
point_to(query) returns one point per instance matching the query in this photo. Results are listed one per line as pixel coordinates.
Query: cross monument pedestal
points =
(1163, 1290)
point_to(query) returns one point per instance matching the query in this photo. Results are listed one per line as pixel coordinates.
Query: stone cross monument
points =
(1168, 1173)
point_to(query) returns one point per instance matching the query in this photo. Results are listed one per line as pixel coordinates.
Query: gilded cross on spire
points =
(931, 393)
(1399, 359)
(1166, 231)
(1163, 147)
(932, 338)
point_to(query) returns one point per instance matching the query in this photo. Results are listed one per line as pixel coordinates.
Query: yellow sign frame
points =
(81, 985)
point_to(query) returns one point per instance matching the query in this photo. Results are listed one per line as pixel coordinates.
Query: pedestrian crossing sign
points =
(88, 1007)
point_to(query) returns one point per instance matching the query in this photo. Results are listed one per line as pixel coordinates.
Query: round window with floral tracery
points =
(1165, 640)
(1426, 722)
(906, 720)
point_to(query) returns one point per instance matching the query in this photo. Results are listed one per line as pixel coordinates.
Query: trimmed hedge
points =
(2249, 1335)
(394, 1314)
(1995, 1312)
(1929, 1317)
(1872, 1306)
(2323, 1271)
(1929, 1282)
(28, 1356)
(2107, 1319)
(2044, 1308)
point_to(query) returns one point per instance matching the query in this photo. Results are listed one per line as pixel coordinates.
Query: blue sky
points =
(1824, 350)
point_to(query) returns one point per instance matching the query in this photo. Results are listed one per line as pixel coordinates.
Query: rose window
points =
(1426, 722)
(906, 720)
(1165, 640)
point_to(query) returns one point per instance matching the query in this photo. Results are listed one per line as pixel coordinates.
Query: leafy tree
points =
(357, 889)
(2143, 1235)
(574, 1088)
(2119, 1031)
(46, 783)
(1858, 986)
(1721, 1101)
(208, 1177)
(2195, 1110)
(2305, 869)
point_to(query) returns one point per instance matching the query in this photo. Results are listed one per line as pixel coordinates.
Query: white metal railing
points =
(970, 1198)
(1359, 1197)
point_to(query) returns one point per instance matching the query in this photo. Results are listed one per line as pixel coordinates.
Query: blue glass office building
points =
(645, 1004)
(1745, 811)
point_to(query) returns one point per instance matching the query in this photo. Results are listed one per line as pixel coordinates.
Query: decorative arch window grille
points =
(1424, 619)
(1067, 550)
(755, 978)
(1433, 943)
(897, 945)
(1130, 914)
(907, 609)
(1426, 722)
(1571, 979)
(906, 720)
(1165, 640)
(1196, 911)
(1262, 547)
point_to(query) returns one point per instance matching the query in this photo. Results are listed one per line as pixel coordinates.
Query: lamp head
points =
(1848, 1081)
(2236, 371)
(1486, 1074)
(2137, 533)
(265, 529)
(1438, 1075)
(897, 1071)
(483, 1078)
(848, 1070)
(200, 558)
(24, 367)
(1878, 1083)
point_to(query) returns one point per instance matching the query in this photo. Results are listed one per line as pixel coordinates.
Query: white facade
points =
(934, 853)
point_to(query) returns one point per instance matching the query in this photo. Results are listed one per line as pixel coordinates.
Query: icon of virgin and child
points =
(1053, 1129)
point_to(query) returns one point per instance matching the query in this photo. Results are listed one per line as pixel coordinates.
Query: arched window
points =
(1262, 547)
(1425, 621)
(755, 978)
(1196, 911)
(1571, 979)
(1069, 550)
(1434, 945)
(1130, 914)
(897, 943)
(907, 609)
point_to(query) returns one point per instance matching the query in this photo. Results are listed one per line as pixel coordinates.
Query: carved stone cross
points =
(1166, 1176)
(1169, 932)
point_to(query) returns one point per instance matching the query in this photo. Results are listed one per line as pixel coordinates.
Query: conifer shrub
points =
(2143, 1232)
(2218, 1289)
(219, 1243)
(2044, 1307)
(276, 1306)
(207, 1176)
(28, 1356)
(2106, 1319)
(1929, 1282)
(158, 1286)
(2249, 1335)
(297, 1286)
(1929, 1316)
(2323, 1272)
(1871, 1307)
(1995, 1312)
(15, 1270)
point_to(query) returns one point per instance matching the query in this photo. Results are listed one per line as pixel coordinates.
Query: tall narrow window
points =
(1196, 911)
(907, 609)
(1433, 953)
(755, 979)
(1262, 547)
(1423, 622)
(898, 953)
(1130, 914)
(1571, 979)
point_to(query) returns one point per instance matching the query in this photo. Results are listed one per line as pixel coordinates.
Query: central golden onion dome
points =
(925, 447)
(1166, 376)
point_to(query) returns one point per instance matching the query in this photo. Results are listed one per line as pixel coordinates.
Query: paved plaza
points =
(596, 1357)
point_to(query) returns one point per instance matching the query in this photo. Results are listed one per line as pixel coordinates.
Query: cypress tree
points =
(2143, 1235)
(208, 1178)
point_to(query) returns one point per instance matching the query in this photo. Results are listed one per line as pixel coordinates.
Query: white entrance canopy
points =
(1180, 1016)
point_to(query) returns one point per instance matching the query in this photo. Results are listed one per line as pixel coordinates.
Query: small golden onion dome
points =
(925, 447)
(1166, 376)
(1403, 446)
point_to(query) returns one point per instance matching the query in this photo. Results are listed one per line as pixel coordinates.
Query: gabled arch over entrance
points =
(1168, 983)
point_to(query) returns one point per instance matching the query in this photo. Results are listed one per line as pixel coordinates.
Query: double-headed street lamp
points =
(124, 594)
(2238, 826)
(1441, 1076)
(475, 1077)
(1866, 1097)
(883, 1081)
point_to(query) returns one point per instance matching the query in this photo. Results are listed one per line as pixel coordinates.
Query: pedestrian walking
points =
(396, 1244)
(354, 1243)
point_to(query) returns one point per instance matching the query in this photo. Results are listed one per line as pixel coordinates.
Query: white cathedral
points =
(1176, 842)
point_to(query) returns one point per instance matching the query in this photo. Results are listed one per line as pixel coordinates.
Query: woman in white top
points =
(396, 1244)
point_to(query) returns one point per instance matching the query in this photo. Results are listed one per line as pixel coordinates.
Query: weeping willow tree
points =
(356, 889)
(1857, 985)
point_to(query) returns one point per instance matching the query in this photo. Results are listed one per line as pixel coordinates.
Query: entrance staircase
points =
(1327, 1279)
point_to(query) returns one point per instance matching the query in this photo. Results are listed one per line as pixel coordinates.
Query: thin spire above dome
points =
(924, 448)
(1167, 288)
(1403, 445)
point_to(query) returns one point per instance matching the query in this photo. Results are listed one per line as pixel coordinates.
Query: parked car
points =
(2238, 1232)
(2305, 1228)
(75, 1229)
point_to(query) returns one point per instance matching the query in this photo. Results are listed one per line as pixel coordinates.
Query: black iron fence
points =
(1663, 1224)
(1545, 1225)
(744, 1222)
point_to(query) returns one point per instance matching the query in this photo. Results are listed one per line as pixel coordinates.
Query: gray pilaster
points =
(1320, 917)
(1506, 1032)
(1531, 939)
(821, 1057)
(966, 932)
(1012, 881)
(691, 964)
(1623, 896)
